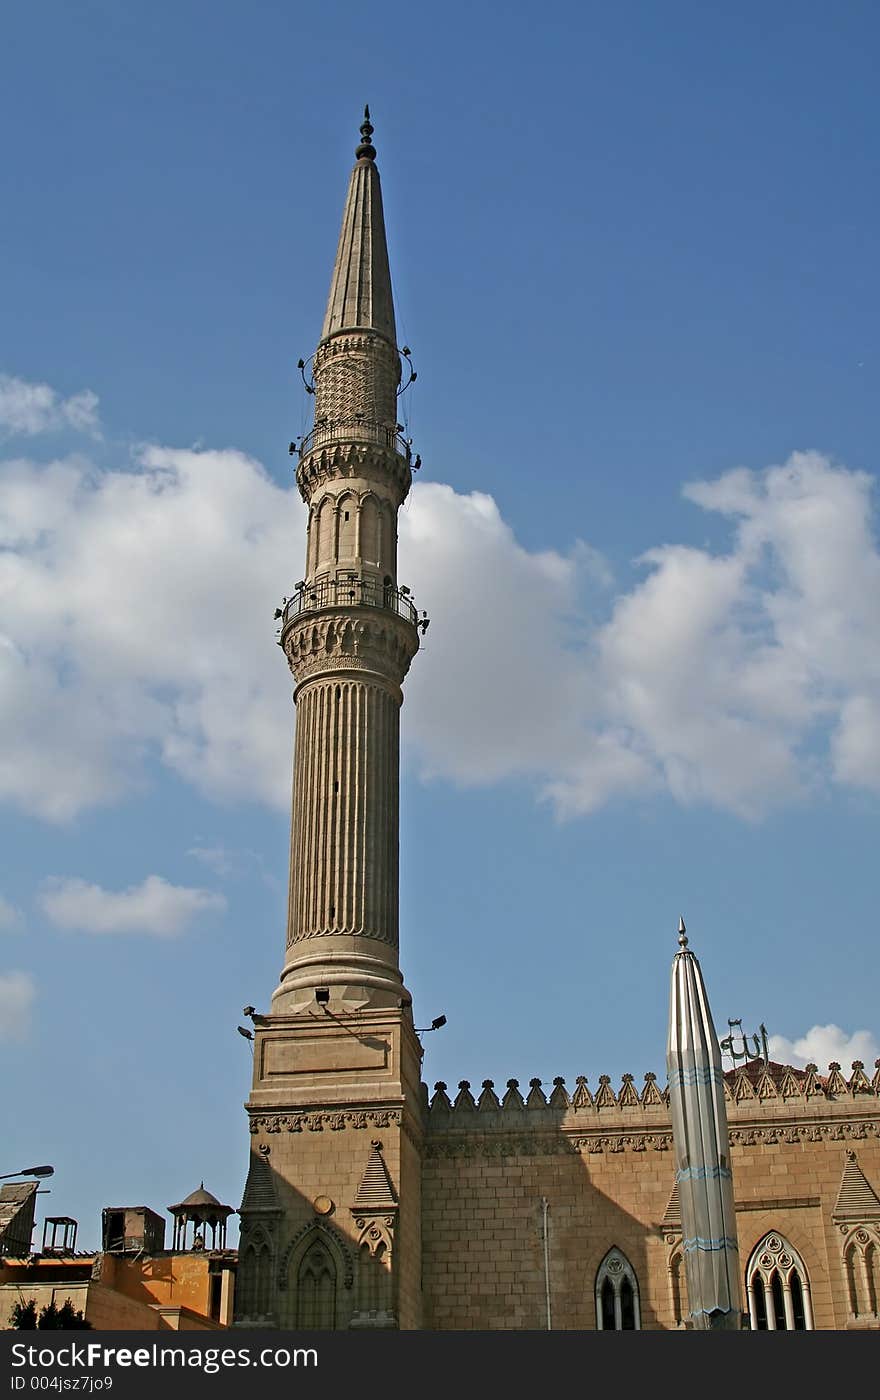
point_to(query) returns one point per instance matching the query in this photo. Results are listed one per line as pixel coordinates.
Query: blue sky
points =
(634, 256)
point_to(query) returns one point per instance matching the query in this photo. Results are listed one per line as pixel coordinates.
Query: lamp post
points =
(29, 1171)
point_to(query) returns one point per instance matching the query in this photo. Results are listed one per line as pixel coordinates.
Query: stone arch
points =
(389, 538)
(617, 1294)
(861, 1264)
(778, 1287)
(255, 1274)
(300, 1243)
(316, 1282)
(370, 529)
(315, 1271)
(347, 523)
(325, 549)
(312, 541)
(374, 1279)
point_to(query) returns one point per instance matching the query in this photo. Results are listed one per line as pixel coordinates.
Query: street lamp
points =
(29, 1171)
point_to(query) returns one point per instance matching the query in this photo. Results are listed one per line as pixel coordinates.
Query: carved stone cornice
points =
(353, 341)
(331, 1119)
(368, 461)
(790, 1130)
(374, 641)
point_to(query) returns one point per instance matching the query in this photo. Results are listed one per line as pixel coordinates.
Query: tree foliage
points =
(24, 1317)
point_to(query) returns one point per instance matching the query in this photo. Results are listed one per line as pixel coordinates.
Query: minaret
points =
(349, 634)
(338, 1053)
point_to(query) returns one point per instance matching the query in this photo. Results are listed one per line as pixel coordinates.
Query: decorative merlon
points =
(756, 1083)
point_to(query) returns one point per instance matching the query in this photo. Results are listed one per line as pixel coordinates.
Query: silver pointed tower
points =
(702, 1149)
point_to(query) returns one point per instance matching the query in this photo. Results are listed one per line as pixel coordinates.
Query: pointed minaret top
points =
(682, 933)
(360, 292)
(366, 150)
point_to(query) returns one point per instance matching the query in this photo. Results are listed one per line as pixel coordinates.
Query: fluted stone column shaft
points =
(344, 839)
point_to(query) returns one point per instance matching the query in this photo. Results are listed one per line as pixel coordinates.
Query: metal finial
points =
(682, 933)
(366, 150)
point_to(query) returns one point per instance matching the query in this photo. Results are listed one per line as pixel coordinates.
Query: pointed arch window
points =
(617, 1294)
(778, 1288)
(254, 1291)
(861, 1258)
(316, 1289)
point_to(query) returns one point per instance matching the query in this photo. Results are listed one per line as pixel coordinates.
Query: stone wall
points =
(604, 1163)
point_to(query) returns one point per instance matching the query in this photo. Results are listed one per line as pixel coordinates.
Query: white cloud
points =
(136, 621)
(823, 1044)
(10, 916)
(153, 907)
(16, 999)
(135, 625)
(29, 409)
(717, 678)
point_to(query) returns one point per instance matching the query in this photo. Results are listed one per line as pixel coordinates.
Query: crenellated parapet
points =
(765, 1105)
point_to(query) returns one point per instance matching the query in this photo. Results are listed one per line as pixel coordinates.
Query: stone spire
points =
(349, 633)
(360, 291)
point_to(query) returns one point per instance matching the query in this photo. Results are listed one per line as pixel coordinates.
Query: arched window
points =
(861, 1260)
(373, 1279)
(617, 1295)
(326, 548)
(369, 543)
(253, 1295)
(778, 1288)
(316, 1289)
(348, 511)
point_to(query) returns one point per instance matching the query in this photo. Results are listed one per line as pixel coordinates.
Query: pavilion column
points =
(769, 1305)
(753, 1305)
(787, 1303)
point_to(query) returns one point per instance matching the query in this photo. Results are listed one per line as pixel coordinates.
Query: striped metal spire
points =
(702, 1149)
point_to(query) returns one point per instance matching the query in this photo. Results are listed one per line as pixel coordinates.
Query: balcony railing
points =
(346, 593)
(356, 430)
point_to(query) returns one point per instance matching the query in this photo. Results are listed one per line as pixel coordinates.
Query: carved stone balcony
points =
(353, 592)
(357, 429)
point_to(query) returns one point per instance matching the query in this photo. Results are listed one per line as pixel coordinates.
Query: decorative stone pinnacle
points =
(682, 933)
(366, 150)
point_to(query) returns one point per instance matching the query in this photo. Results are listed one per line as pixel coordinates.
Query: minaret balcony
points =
(348, 592)
(357, 429)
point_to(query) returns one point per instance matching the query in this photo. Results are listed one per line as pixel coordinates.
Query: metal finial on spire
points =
(366, 150)
(682, 933)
